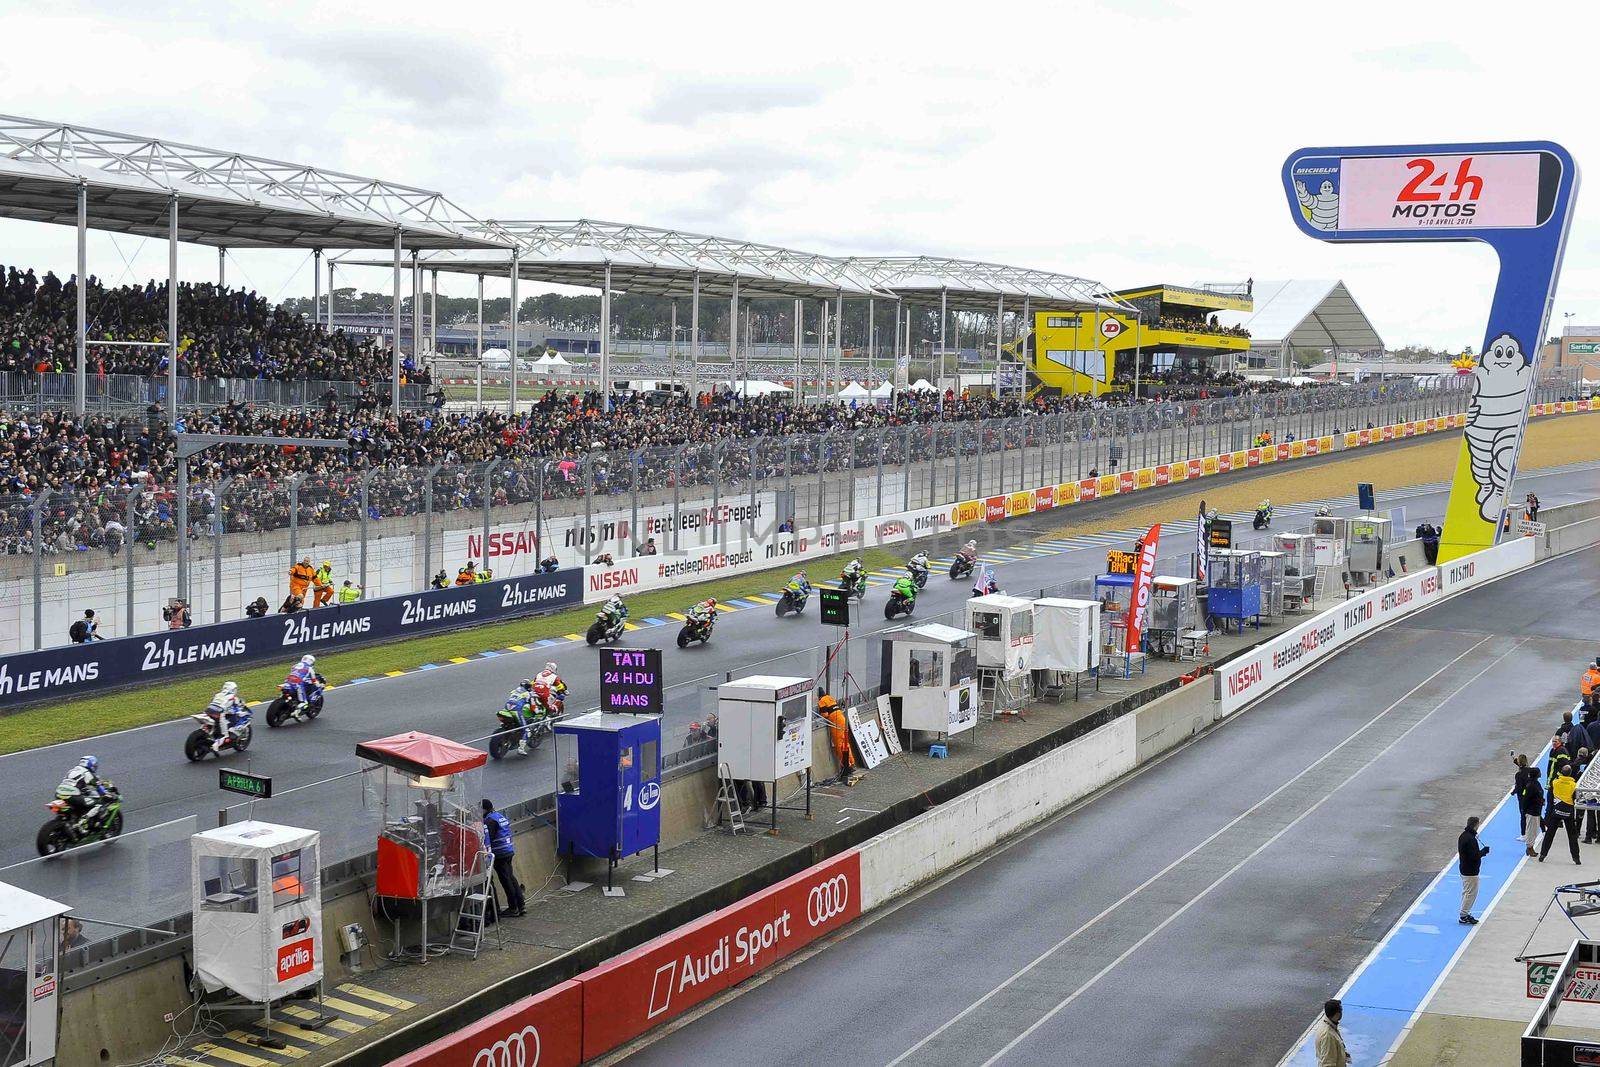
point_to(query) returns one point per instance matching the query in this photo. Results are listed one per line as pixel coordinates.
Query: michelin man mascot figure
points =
(1494, 419)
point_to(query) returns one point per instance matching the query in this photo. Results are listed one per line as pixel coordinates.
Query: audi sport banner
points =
(1143, 580)
(628, 995)
(77, 669)
(544, 1029)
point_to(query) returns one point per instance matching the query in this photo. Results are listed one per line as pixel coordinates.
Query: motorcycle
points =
(58, 834)
(198, 745)
(1263, 518)
(918, 575)
(701, 732)
(855, 588)
(508, 732)
(792, 602)
(899, 604)
(696, 630)
(604, 629)
(960, 567)
(286, 706)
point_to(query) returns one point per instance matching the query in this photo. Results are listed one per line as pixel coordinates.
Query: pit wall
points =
(603, 1008)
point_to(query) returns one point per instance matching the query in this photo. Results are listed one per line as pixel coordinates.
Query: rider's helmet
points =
(802, 576)
(89, 763)
(308, 660)
(527, 683)
(551, 667)
(230, 688)
(711, 601)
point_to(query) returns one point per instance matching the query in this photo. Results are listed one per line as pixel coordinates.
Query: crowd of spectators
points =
(224, 333)
(1207, 326)
(89, 463)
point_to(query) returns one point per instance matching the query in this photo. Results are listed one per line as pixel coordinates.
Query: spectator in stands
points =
(1469, 860)
(84, 631)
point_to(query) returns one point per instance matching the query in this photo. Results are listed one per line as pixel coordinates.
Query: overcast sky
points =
(1129, 142)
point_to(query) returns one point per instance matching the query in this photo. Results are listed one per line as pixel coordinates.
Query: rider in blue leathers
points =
(305, 679)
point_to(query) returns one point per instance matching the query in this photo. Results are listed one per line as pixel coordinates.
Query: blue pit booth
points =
(1235, 593)
(608, 798)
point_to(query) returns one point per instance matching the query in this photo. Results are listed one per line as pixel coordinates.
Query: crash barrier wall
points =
(578, 509)
(1256, 673)
(78, 669)
(654, 572)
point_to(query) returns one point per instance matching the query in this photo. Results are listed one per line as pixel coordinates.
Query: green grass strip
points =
(50, 723)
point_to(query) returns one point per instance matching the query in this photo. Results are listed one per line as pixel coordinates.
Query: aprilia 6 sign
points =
(1516, 197)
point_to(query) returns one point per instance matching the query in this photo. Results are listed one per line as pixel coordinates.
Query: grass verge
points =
(48, 724)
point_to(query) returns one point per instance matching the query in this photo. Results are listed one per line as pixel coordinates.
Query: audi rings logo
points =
(520, 1049)
(827, 899)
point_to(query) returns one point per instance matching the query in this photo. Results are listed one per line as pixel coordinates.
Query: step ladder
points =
(472, 917)
(728, 801)
(1002, 694)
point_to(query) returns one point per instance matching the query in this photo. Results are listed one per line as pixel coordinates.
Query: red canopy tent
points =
(422, 754)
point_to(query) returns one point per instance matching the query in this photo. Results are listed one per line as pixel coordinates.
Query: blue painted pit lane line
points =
(1391, 986)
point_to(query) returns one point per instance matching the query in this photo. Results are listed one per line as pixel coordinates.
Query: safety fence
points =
(127, 393)
(391, 529)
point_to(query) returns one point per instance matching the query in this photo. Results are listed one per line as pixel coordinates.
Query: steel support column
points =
(394, 353)
(516, 271)
(605, 343)
(172, 311)
(80, 383)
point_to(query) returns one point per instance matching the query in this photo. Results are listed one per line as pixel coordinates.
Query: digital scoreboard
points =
(630, 681)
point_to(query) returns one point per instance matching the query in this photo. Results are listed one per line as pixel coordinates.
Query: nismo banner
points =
(1514, 196)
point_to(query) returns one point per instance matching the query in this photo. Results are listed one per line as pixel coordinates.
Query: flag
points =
(1201, 536)
(1143, 581)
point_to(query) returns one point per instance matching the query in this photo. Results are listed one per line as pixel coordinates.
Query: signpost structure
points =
(1516, 197)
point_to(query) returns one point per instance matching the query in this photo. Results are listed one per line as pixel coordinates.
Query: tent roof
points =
(422, 754)
(224, 198)
(854, 391)
(922, 385)
(18, 908)
(886, 389)
(1305, 313)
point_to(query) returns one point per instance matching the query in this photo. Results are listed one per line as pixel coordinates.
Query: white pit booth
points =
(931, 672)
(1004, 625)
(764, 731)
(1066, 642)
(30, 994)
(257, 910)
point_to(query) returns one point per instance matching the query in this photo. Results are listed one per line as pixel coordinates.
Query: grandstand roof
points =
(224, 198)
(1305, 313)
(973, 285)
(648, 259)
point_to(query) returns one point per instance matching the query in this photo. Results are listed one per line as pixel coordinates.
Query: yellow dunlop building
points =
(1093, 352)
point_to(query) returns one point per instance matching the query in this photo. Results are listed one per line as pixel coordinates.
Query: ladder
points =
(472, 917)
(728, 800)
(1000, 692)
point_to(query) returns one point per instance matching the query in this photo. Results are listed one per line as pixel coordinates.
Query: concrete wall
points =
(1172, 719)
(938, 840)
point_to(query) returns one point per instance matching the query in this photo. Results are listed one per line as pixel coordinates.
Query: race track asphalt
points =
(167, 798)
(1202, 909)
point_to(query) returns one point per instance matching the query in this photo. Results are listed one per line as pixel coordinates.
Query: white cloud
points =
(1128, 142)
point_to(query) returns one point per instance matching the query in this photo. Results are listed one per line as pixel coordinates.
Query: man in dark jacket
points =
(497, 835)
(1471, 856)
(1530, 802)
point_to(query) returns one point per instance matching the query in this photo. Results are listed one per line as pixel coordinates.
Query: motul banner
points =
(545, 1029)
(665, 978)
(1143, 579)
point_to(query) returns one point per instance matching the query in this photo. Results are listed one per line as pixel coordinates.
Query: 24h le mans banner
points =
(1514, 196)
